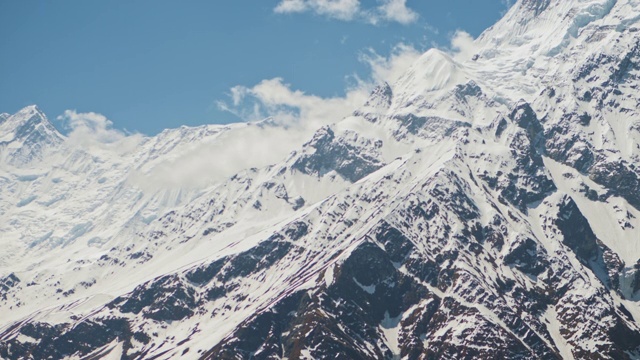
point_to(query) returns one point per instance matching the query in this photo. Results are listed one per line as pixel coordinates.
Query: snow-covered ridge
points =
(483, 206)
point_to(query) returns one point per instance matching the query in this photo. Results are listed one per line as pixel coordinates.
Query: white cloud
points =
(463, 45)
(91, 129)
(397, 10)
(294, 108)
(347, 10)
(338, 9)
(390, 68)
(243, 147)
(291, 6)
(290, 108)
(294, 116)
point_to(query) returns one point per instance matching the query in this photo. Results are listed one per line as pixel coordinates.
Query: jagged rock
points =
(353, 157)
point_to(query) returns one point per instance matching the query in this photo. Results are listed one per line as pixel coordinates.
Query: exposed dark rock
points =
(579, 237)
(350, 161)
(298, 203)
(524, 255)
(7, 283)
(501, 127)
(338, 323)
(529, 182)
(619, 178)
(260, 257)
(202, 275)
(57, 342)
(381, 96)
(164, 299)
(297, 230)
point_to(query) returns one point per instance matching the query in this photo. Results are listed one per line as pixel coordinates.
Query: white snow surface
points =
(82, 226)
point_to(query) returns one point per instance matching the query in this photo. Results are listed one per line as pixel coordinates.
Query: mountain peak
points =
(32, 109)
(29, 132)
(29, 114)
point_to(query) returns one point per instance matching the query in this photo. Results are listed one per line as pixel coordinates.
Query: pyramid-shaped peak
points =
(28, 111)
(29, 124)
(381, 96)
(28, 115)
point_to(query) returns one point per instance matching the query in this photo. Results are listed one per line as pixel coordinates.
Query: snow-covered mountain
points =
(486, 205)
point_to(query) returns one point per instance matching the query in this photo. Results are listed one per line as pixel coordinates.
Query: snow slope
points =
(485, 205)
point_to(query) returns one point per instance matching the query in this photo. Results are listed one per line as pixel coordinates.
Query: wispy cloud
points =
(90, 130)
(205, 163)
(290, 109)
(390, 68)
(294, 108)
(348, 10)
(338, 9)
(294, 115)
(396, 10)
(463, 45)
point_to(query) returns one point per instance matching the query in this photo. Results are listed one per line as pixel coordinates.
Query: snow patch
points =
(371, 289)
(328, 275)
(550, 316)
(390, 327)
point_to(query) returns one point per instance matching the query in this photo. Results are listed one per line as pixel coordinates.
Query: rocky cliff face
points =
(478, 208)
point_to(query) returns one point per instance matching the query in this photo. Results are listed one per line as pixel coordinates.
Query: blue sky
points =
(148, 65)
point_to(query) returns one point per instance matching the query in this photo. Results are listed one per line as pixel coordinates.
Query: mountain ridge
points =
(483, 206)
